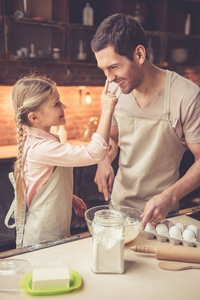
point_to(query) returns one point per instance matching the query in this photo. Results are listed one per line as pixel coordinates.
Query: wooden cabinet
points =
(41, 31)
(40, 27)
(164, 23)
(57, 25)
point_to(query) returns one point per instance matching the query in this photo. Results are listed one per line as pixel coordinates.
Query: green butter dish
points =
(26, 285)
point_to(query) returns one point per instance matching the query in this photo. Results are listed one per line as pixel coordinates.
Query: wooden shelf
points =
(60, 26)
(35, 22)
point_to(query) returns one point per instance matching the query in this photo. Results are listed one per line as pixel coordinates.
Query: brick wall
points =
(68, 77)
(78, 112)
(7, 124)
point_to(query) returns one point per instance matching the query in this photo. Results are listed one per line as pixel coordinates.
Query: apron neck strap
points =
(167, 95)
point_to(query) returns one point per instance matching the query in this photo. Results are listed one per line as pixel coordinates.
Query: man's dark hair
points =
(120, 31)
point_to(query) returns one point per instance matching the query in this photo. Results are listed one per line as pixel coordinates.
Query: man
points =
(156, 120)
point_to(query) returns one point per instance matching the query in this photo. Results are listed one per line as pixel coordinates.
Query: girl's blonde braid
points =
(21, 137)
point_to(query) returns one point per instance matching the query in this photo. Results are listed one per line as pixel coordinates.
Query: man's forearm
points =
(188, 183)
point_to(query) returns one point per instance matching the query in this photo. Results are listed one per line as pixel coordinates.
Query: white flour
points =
(108, 249)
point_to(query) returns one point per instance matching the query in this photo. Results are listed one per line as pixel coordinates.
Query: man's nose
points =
(111, 78)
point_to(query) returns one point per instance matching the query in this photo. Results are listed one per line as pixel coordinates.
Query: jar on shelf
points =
(56, 53)
(108, 242)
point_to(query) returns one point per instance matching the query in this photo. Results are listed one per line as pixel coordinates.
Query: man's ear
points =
(34, 118)
(140, 54)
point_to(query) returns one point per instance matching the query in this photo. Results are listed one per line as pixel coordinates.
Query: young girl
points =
(43, 172)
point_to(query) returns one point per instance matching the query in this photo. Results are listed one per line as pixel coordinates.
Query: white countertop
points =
(142, 278)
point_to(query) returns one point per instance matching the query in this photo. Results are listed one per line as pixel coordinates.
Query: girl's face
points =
(51, 112)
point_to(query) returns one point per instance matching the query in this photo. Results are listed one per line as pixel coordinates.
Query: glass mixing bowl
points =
(131, 219)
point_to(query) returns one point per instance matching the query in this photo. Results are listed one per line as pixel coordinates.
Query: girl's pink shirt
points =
(46, 152)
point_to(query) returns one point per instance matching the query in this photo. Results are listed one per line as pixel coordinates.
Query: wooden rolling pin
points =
(169, 252)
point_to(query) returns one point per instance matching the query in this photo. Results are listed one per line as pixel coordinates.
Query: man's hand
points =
(156, 209)
(104, 178)
(78, 205)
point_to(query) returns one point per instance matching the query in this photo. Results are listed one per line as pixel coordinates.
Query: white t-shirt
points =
(184, 108)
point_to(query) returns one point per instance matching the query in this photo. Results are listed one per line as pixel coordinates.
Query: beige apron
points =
(49, 216)
(150, 156)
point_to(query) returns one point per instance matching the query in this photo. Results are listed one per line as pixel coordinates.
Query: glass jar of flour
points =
(108, 242)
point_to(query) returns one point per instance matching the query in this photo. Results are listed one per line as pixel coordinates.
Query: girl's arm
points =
(108, 100)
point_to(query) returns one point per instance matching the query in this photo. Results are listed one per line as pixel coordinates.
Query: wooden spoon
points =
(177, 266)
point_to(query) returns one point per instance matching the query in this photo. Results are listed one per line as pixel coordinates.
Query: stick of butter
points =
(50, 278)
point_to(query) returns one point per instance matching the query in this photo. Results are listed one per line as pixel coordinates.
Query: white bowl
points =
(131, 217)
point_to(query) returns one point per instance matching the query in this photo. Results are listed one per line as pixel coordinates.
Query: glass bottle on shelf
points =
(32, 51)
(82, 55)
(25, 9)
(138, 14)
(140, 11)
(188, 24)
(88, 15)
